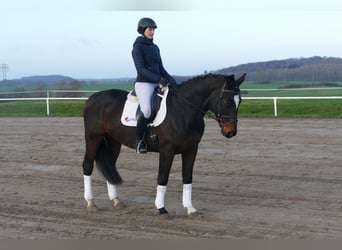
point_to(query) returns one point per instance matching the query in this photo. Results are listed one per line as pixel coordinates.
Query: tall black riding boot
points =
(141, 147)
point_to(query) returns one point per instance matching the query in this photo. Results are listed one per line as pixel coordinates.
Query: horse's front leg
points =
(165, 162)
(188, 160)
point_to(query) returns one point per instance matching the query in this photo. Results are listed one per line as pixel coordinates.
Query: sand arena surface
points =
(278, 178)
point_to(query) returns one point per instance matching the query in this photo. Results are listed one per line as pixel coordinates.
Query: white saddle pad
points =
(130, 109)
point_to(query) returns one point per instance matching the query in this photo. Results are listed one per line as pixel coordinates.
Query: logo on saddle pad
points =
(129, 114)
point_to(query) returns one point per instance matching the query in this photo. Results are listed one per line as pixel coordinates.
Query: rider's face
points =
(149, 33)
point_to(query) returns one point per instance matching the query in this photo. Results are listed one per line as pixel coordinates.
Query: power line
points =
(4, 68)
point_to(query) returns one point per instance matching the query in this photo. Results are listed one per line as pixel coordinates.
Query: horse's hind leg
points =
(92, 144)
(112, 189)
(113, 196)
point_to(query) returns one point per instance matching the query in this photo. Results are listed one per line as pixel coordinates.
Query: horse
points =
(179, 133)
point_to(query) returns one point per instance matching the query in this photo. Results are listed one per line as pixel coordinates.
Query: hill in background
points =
(313, 69)
(30, 81)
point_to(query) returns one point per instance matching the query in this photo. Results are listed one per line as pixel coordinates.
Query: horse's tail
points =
(105, 162)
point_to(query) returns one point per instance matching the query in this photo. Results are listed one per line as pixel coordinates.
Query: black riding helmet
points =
(144, 23)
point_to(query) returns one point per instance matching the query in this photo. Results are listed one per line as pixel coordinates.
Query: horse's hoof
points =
(118, 204)
(192, 212)
(162, 211)
(164, 214)
(92, 209)
(194, 215)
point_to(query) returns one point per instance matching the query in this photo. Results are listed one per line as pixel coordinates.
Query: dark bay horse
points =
(179, 133)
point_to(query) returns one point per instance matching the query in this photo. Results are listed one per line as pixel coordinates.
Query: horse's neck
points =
(197, 93)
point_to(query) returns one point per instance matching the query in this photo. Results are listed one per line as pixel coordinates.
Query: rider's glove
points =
(163, 82)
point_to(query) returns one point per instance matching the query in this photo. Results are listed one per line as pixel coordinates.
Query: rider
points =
(150, 73)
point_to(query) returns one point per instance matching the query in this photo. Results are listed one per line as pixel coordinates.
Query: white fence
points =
(47, 99)
(289, 98)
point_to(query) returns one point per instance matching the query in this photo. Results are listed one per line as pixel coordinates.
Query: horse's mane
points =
(200, 77)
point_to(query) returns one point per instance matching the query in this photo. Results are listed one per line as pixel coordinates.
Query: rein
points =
(186, 100)
(218, 117)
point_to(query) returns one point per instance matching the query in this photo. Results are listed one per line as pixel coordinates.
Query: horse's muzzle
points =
(229, 129)
(230, 134)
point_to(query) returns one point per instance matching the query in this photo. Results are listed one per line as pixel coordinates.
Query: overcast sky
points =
(93, 39)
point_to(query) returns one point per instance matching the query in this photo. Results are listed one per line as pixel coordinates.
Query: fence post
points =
(47, 103)
(275, 106)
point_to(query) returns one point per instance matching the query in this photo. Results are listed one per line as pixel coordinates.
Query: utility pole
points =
(4, 68)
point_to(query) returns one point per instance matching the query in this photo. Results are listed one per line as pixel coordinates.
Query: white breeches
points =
(144, 91)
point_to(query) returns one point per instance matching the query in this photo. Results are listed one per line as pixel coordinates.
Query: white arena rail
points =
(48, 98)
(290, 98)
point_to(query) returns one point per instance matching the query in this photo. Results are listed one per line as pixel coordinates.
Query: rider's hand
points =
(163, 81)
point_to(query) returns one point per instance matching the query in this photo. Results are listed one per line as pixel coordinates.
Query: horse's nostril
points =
(230, 134)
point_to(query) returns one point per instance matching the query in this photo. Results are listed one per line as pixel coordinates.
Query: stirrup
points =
(141, 147)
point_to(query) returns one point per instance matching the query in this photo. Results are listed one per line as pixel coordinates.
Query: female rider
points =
(150, 73)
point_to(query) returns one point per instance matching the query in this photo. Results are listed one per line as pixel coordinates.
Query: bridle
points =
(219, 116)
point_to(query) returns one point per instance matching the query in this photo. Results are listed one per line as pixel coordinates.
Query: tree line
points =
(313, 69)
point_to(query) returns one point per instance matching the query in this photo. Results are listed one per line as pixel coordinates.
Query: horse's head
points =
(227, 105)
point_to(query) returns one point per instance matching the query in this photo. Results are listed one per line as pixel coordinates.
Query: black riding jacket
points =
(147, 61)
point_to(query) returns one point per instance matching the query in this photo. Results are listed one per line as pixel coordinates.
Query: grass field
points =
(249, 108)
(292, 108)
(38, 108)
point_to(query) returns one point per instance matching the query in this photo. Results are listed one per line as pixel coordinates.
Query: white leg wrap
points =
(187, 198)
(187, 190)
(112, 191)
(88, 192)
(160, 197)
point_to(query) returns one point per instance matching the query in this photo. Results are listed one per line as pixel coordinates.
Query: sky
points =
(93, 39)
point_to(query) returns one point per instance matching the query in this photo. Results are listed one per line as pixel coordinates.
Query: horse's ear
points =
(241, 79)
